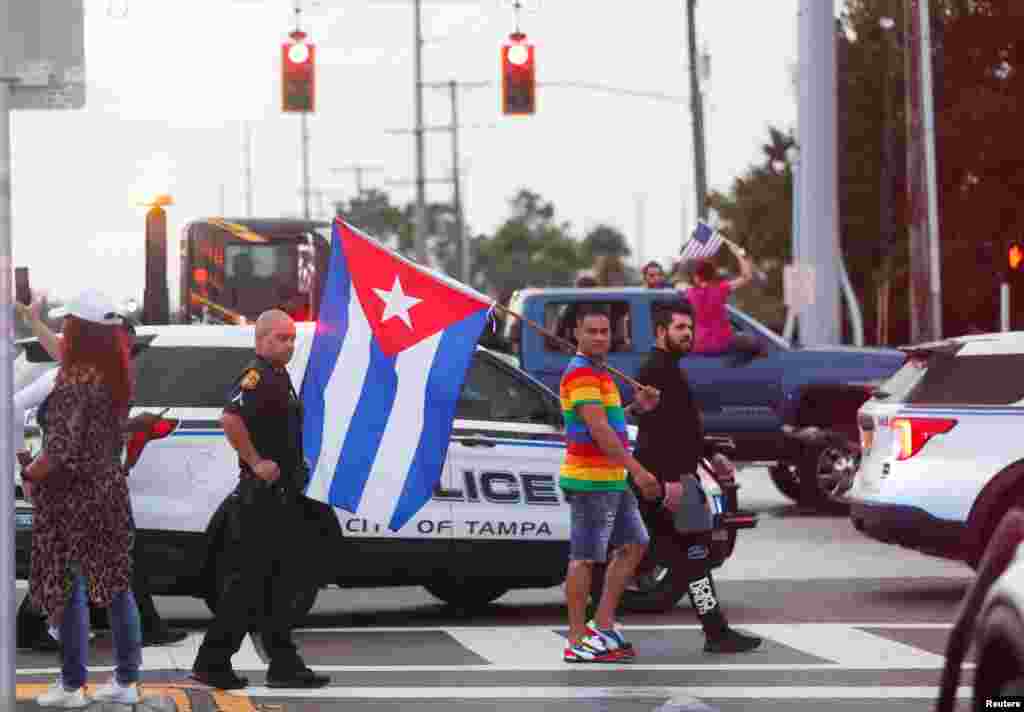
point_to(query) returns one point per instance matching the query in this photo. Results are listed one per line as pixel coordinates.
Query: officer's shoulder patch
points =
(250, 379)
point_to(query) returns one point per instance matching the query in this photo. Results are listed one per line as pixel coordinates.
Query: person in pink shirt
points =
(709, 295)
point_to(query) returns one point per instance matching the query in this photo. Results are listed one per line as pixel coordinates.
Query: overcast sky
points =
(171, 83)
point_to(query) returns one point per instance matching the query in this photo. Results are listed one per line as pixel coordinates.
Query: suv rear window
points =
(991, 379)
(188, 376)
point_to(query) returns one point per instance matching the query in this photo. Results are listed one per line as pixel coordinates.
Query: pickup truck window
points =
(491, 393)
(560, 317)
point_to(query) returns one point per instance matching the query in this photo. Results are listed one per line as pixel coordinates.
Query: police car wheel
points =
(827, 467)
(784, 477)
(466, 593)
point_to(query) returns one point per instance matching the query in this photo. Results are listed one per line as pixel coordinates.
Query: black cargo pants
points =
(263, 567)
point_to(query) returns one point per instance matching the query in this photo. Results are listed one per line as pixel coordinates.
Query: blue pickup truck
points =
(794, 408)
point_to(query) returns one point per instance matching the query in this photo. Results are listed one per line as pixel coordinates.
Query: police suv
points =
(497, 519)
(942, 458)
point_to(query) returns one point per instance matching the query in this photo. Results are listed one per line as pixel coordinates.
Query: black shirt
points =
(264, 398)
(671, 436)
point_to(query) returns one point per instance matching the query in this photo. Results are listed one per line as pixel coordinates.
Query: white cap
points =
(91, 305)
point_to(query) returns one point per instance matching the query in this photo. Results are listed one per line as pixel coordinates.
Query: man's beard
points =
(680, 348)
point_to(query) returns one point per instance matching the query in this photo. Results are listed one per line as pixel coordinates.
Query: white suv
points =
(497, 519)
(943, 456)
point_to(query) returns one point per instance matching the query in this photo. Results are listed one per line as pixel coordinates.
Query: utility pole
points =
(697, 108)
(247, 150)
(925, 289)
(420, 240)
(453, 88)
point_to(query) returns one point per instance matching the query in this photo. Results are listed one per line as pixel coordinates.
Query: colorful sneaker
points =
(590, 649)
(116, 692)
(58, 697)
(613, 641)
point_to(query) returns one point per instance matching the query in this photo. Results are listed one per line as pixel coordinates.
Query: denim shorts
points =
(601, 522)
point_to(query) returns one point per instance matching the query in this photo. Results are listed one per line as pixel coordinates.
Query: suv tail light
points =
(161, 429)
(913, 433)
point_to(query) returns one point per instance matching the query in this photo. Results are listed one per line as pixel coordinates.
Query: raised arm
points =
(746, 268)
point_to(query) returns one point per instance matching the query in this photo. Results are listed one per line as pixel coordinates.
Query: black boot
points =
(719, 637)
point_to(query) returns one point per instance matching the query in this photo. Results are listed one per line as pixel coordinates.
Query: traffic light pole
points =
(697, 108)
(420, 239)
(1004, 306)
(305, 164)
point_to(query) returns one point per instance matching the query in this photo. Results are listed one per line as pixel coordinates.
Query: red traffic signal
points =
(518, 77)
(1015, 256)
(298, 71)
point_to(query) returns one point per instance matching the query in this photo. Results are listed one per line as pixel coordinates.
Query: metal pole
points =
(7, 599)
(420, 240)
(791, 313)
(453, 88)
(248, 169)
(305, 165)
(697, 108)
(934, 256)
(1004, 306)
(819, 190)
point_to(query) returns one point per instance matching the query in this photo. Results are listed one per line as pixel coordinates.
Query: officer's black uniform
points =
(259, 543)
(669, 444)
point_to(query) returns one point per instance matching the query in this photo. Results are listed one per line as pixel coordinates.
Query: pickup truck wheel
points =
(821, 472)
(302, 603)
(466, 593)
(786, 479)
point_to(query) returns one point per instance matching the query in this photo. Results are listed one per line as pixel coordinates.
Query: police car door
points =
(505, 453)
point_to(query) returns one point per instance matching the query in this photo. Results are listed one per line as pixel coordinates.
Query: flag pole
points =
(568, 346)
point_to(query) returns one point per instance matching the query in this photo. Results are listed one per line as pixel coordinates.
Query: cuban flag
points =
(704, 243)
(392, 346)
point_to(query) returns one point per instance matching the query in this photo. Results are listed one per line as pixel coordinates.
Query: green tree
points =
(529, 249)
(604, 240)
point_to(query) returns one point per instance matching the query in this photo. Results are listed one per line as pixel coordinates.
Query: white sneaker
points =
(116, 692)
(57, 696)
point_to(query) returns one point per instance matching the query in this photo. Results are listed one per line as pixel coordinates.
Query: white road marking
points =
(503, 647)
(681, 626)
(847, 646)
(624, 692)
(247, 658)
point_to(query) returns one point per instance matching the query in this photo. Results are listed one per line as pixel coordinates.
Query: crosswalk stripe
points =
(523, 647)
(611, 692)
(847, 646)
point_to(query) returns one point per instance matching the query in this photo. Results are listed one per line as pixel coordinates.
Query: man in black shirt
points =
(669, 444)
(263, 423)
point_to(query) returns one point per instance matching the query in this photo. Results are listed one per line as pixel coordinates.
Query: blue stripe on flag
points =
(359, 451)
(447, 373)
(331, 328)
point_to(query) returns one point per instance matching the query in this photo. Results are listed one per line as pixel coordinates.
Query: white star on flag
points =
(397, 303)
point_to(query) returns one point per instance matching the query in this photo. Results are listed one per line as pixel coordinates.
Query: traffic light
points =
(518, 77)
(298, 71)
(1015, 258)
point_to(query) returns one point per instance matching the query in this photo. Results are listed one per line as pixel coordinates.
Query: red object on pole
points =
(298, 74)
(518, 77)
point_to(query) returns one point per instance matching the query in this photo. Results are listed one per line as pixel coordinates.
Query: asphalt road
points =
(850, 625)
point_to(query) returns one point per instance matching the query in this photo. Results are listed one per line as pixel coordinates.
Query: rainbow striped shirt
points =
(586, 467)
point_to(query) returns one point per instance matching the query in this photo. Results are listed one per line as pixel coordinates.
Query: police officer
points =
(262, 421)
(669, 444)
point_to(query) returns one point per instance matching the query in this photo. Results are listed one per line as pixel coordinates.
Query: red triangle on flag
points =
(403, 304)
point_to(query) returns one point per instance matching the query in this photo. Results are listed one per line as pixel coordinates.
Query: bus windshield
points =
(233, 271)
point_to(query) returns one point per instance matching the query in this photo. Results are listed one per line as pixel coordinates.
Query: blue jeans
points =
(74, 636)
(601, 522)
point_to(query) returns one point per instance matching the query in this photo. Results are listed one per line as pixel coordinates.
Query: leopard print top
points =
(82, 511)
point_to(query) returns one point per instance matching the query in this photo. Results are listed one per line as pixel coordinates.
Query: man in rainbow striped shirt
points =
(603, 508)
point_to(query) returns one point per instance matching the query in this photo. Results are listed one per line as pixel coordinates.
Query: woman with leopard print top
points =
(82, 532)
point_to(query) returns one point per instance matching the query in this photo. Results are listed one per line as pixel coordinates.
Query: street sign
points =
(42, 45)
(798, 286)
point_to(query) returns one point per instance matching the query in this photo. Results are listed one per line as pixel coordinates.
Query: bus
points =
(234, 269)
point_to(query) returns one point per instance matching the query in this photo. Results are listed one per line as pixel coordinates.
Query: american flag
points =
(704, 242)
